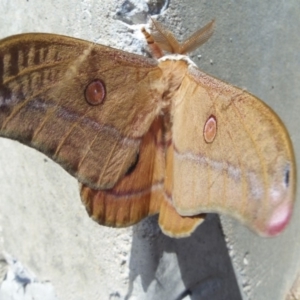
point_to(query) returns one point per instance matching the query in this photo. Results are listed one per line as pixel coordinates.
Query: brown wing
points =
(232, 155)
(86, 106)
(141, 193)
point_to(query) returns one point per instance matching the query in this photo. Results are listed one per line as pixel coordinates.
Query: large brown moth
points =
(146, 136)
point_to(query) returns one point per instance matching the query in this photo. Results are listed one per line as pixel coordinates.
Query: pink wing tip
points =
(279, 220)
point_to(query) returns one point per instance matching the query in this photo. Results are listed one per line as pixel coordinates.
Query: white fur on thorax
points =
(178, 57)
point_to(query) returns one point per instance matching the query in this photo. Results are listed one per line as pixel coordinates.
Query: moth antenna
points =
(154, 47)
(198, 38)
(164, 38)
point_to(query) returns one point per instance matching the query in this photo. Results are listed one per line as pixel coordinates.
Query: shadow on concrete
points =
(197, 267)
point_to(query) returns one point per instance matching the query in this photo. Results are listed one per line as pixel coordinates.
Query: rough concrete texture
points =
(43, 225)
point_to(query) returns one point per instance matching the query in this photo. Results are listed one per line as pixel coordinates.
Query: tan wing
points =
(86, 106)
(232, 155)
(171, 223)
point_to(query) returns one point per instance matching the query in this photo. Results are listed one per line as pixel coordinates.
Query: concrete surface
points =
(44, 227)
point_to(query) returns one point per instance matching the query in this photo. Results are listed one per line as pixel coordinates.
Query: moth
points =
(148, 135)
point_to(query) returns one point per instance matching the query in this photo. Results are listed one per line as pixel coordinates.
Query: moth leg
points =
(154, 47)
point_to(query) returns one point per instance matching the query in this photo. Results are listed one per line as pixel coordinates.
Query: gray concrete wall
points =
(43, 224)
